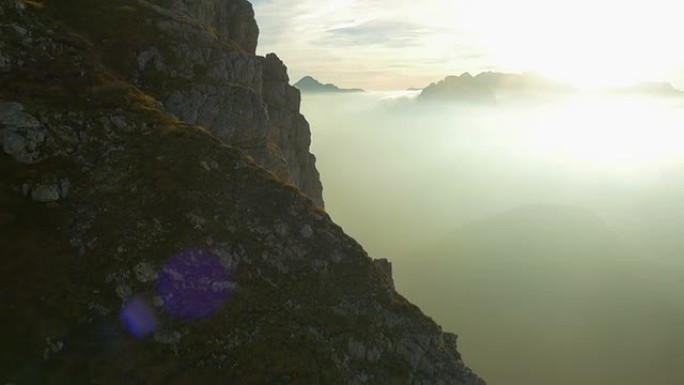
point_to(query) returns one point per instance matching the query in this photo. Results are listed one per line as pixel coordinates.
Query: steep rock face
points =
(289, 129)
(197, 58)
(140, 249)
(231, 18)
(244, 99)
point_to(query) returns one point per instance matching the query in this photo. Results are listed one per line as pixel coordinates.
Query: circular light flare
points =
(194, 284)
(138, 318)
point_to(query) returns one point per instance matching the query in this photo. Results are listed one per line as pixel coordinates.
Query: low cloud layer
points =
(545, 231)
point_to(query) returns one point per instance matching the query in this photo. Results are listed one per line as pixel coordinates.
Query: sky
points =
(396, 44)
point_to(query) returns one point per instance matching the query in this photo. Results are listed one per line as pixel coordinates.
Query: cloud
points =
(404, 42)
(377, 32)
(369, 44)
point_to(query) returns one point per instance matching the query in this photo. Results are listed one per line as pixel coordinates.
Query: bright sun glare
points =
(591, 43)
(609, 134)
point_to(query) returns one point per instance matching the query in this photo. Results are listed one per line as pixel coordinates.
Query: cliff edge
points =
(153, 224)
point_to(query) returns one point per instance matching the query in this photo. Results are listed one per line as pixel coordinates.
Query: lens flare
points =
(193, 284)
(138, 318)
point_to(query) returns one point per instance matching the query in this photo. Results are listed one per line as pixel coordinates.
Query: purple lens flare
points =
(138, 318)
(193, 284)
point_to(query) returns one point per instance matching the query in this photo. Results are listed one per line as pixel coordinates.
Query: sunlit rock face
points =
(139, 248)
(197, 58)
(289, 129)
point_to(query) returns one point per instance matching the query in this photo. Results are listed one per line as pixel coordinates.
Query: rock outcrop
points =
(385, 266)
(289, 135)
(197, 58)
(141, 245)
(245, 100)
(233, 19)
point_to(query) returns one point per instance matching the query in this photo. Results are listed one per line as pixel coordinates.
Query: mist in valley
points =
(545, 230)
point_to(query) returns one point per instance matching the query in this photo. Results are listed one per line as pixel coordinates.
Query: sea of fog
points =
(546, 230)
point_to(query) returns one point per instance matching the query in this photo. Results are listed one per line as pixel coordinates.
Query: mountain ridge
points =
(311, 85)
(485, 87)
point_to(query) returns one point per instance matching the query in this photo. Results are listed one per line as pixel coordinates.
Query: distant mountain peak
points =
(462, 88)
(312, 85)
(485, 87)
(651, 88)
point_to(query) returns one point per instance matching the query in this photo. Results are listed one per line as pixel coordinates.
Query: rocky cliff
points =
(153, 227)
(197, 59)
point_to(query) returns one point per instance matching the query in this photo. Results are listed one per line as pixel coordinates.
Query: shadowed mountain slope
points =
(159, 215)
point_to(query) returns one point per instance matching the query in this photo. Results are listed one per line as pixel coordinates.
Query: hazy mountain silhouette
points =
(311, 85)
(464, 88)
(487, 86)
(652, 89)
(525, 82)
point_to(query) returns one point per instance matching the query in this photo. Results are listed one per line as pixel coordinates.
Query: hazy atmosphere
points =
(536, 216)
(544, 231)
(343, 192)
